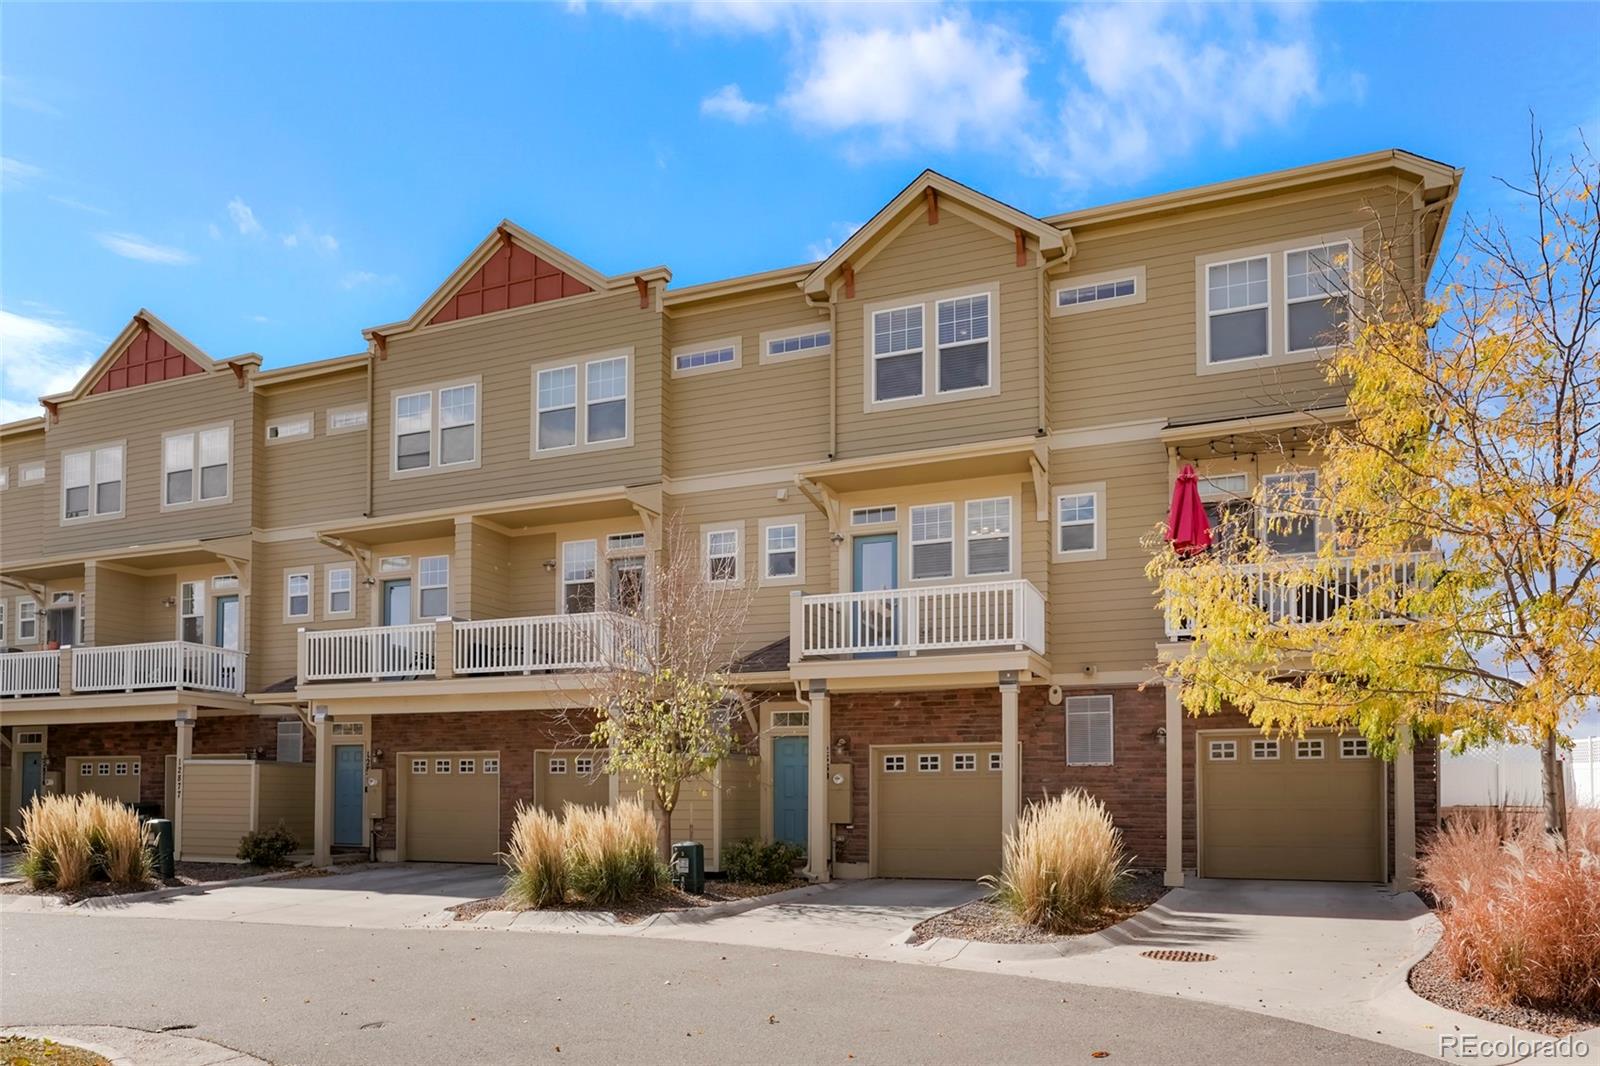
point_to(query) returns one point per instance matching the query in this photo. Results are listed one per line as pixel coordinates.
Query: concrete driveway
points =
(392, 896)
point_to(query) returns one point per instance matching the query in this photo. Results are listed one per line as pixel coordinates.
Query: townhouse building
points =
(362, 594)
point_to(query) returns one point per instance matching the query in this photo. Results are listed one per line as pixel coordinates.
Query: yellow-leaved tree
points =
(1455, 589)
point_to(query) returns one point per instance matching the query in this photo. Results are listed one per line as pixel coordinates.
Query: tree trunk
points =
(1555, 799)
(664, 831)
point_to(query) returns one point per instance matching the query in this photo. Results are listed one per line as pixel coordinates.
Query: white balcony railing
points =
(991, 614)
(371, 653)
(30, 673)
(549, 642)
(161, 664)
(1305, 591)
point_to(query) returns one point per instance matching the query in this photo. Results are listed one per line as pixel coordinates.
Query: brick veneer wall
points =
(516, 735)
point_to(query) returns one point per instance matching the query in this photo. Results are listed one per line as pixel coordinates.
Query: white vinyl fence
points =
(1507, 775)
(1586, 773)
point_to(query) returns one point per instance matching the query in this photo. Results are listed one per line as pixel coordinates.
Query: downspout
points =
(1044, 295)
(833, 377)
(372, 416)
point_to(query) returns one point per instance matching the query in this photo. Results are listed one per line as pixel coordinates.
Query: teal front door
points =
(32, 776)
(789, 786)
(875, 567)
(349, 784)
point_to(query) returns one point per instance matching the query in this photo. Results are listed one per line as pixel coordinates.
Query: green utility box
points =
(689, 866)
(161, 829)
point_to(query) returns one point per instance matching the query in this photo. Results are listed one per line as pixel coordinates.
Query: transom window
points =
(927, 763)
(722, 554)
(433, 586)
(91, 482)
(1117, 288)
(894, 764)
(1090, 734)
(1308, 748)
(578, 565)
(1317, 295)
(1353, 748)
(795, 345)
(791, 719)
(933, 541)
(341, 585)
(782, 550)
(422, 442)
(1264, 749)
(874, 516)
(964, 343)
(346, 419)
(1224, 750)
(30, 473)
(989, 536)
(297, 595)
(718, 355)
(624, 543)
(897, 354)
(207, 451)
(287, 428)
(1237, 296)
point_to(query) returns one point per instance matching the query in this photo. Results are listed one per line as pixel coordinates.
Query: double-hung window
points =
(897, 349)
(781, 550)
(606, 416)
(556, 414)
(423, 441)
(989, 537)
(578, 565)
(1289, 522)
(1237, 297)
(1089, 730)
(91, 482)
(1317, 295)
(963, 343)
(433, 586)
(341, 590)
(27, 621)
(933, 541)
(297, 594)
(195, 466)
(191, 612)
(1080, 522)
(722, 554)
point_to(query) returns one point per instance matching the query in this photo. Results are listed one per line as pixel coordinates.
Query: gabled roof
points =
(145, 352)
(507, 240)
(1052, 243)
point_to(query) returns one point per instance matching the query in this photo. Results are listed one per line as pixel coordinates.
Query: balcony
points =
(166, 664)
(1296, 592)
(542, 644)
(911, 621)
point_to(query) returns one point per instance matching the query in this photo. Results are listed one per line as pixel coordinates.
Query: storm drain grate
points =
(1177, 955)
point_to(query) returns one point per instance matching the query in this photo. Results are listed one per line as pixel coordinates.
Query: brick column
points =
(1010, 768)
(1403, 877)
(818, 831)
(1174, 726)
(185, 724)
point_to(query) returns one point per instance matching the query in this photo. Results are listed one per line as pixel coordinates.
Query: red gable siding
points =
(513, 277)
(149, 358)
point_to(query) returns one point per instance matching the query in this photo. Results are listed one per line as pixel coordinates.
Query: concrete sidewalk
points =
(136, 1047)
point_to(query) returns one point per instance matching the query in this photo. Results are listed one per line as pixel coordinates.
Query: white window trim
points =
(1265, 514)
(195, 500)
(448, 578)
(1097, 489)
(768, 336)
(1277, 336)
(311, 595)
(1366, 747)
(628, 401)
(888, 769)
(799, 576)
(594, 579)
(991, 302)
(333, 413)
(1266, 305)
(736, 343)
(27, 615)
(891, 522)
(1108, 709)
(1305, 744)
(955, 542)
(1260, 745)
(329, 569)
(94, 515)
(198, 593)
(1215, 748)
(1011, 539)
(435, 430)
(308, 417)
(5, 478)
(1074, 282)
(739, 563)
(3, 617)
(929, 303)
(1350, 293)
(580, 417)
(23, 480)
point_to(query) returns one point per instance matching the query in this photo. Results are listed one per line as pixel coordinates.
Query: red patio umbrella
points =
(1188, 529)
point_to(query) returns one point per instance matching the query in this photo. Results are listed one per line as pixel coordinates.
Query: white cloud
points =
(79, 205)
(838, 233)
(17, 93)
(15, 172)
(359, 278)
(310, 238)
(243, 217)
(951, 82)
(729, 102)
(133, 246)
(44, 355)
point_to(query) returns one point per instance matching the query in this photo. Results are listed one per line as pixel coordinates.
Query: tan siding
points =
(927, 259)
(741, 798)
(23, 509)
(503, 349)
(138, 417)
(300, 481)
(757, 414)
(216, 807)
(286, 794)
(272, 645)
(1135, 362)
(484, 587)
(127, 608)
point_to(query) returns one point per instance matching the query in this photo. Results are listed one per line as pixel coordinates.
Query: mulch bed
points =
(989, 922)
(1431, 980)
(26, 1051)
(661, 902)
(184, 874)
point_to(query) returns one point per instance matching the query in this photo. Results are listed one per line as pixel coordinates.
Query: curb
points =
(1121, 934)
(89, 903)
(147, 1048)
(608, 922)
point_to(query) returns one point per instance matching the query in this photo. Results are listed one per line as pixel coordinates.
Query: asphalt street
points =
(325, 995)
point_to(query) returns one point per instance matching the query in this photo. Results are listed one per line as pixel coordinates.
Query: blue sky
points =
(273, 178)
